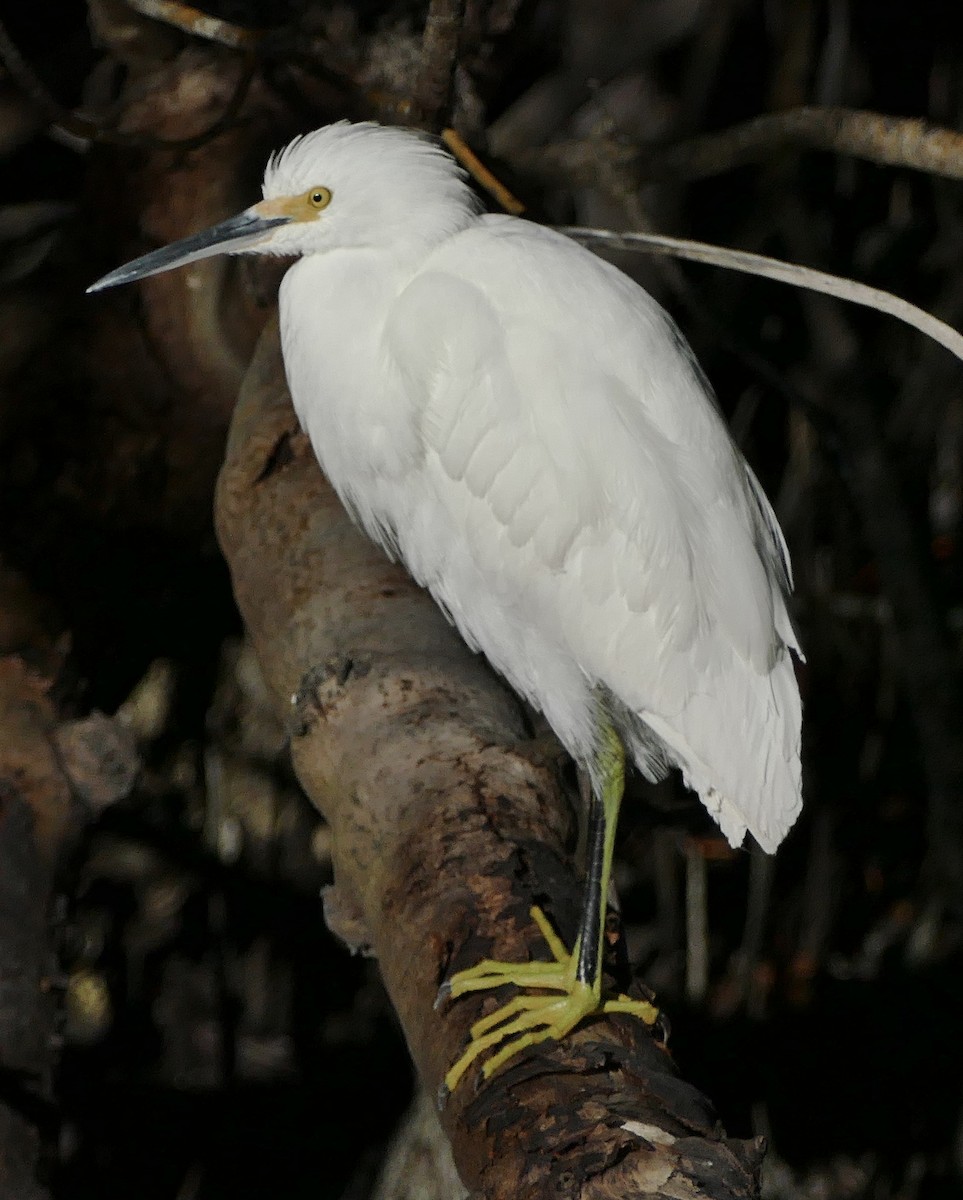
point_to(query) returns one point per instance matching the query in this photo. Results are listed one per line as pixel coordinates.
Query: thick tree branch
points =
(888, 141)
(448, 822)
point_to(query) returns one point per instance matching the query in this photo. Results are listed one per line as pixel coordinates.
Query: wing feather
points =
(584, 517)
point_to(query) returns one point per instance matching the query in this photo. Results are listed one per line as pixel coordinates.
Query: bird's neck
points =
(333, 309)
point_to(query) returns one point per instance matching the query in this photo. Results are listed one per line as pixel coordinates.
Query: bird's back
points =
(571, 497)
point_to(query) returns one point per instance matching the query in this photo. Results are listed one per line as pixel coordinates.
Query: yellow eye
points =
(319, 197)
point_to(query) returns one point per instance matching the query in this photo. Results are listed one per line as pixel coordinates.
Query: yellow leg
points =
(575, 975)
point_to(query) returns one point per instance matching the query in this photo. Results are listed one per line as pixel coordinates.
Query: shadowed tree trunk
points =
(55, 775)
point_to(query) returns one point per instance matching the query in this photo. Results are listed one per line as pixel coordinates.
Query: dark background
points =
(216, 1040)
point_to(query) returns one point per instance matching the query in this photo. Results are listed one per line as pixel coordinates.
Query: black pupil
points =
(317, 197)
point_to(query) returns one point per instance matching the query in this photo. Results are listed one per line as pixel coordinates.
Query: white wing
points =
(577, 506)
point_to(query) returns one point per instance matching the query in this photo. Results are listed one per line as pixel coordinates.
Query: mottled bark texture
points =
(449, 820)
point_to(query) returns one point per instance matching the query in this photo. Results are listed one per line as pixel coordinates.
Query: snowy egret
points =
(527, 430)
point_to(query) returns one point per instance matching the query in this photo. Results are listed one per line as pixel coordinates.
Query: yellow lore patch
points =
(296, 208)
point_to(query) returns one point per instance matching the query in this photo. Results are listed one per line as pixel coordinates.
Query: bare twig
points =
(758, 899)
(783, 272)
(696, 923)
(480, 173)
(439, 57)
(198, 24)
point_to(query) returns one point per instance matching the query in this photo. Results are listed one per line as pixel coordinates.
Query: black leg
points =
(590, 923)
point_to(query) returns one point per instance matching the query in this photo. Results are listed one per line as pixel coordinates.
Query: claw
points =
(534, 1016)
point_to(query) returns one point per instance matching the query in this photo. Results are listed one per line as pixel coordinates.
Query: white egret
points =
(527, 430)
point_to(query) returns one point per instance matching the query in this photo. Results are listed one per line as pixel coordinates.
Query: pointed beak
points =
(242, 232)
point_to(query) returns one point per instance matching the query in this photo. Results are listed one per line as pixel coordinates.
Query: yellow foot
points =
(529, 1019)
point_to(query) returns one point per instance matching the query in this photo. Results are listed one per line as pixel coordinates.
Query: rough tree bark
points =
(449, 820)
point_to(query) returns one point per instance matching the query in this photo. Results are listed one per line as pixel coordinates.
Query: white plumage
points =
(526, 428)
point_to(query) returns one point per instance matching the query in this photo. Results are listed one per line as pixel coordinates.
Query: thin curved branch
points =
(774, 268)
(198, 24)
(888, 141)
(480, 173)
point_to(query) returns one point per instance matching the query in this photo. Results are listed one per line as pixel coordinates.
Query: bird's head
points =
(342, 186)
